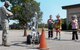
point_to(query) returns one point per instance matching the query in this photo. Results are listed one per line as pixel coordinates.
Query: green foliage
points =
(69, 26)
(2, 0)
(64, 25)
(24, 10)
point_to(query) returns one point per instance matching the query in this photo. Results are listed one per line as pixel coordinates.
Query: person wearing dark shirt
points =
(50, 27)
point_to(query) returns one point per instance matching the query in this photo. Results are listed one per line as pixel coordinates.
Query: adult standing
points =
(74, 27)
(4, 15)
(50, 27)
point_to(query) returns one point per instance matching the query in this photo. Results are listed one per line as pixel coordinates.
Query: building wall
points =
(73, 11)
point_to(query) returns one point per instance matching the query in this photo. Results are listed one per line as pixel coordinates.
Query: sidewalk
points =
(16, 40)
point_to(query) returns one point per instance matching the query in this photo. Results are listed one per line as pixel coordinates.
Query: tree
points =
(64, 24)
(24, 11)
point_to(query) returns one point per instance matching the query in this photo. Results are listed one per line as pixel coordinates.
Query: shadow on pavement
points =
(1, 45)
(24, 44)
(21, 44)
(65, 40)
(78, 41)
(60, 39)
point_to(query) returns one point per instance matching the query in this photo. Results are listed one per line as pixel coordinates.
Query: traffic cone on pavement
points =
(43, 44)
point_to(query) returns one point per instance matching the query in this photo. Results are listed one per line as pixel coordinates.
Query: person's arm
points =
(60, 22)
(77, 24)
(8, 13)
(53, 22)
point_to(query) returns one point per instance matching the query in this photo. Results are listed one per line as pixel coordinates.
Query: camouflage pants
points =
(5, 27)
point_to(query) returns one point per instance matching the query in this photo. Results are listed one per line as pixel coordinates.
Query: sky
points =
(52, 7)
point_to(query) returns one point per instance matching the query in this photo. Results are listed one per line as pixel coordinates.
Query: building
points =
(72, 10)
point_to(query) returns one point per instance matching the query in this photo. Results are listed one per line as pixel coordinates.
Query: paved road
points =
(16, 39)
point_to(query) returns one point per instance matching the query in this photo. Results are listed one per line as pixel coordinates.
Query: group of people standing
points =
(54, 25)
(57, 25)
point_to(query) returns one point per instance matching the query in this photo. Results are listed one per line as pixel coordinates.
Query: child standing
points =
(58, 28)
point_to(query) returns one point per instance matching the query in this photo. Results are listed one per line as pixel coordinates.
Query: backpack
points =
(29, 39)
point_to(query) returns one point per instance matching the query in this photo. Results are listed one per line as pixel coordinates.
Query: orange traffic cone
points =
(43, 45)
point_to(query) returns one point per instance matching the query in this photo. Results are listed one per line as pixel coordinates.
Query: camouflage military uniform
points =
(4, 23)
